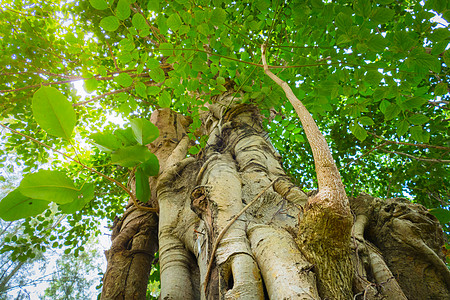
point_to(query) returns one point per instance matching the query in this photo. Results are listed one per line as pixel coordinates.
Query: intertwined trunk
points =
(393, 250)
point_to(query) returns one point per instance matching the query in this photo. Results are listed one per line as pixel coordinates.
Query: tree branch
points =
(75, 78)
(103, 95)
(410, 144)
(434, 160)
(112, 55)
(365, 154)
(328, 177)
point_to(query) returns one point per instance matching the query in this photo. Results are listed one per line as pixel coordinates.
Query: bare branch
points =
(434, 160)
(103, 95)
(365, 154)
(112, 55)
(75, 78)
(410, 144)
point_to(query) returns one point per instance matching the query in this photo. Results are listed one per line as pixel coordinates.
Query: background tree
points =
(75, 275)
(227, 220)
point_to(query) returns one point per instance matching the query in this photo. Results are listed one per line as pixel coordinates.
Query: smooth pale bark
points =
(325, 229)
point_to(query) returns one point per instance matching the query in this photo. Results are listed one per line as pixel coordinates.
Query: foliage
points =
(15, 273)
(154, 283)
(73, 277)
(374, 74)
(73, 270)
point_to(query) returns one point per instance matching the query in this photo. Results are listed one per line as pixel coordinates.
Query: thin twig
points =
(113, 57)
(161, 38)
(86, 167)
(75, 78)
(365, 154)
(409, 144)
(224, 230)
(435, 160)
(103, 95)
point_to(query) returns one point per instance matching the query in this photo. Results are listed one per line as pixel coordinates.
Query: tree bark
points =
(394, 247)
(135, 234)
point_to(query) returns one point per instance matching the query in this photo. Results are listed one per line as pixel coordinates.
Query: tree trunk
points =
(395, 246)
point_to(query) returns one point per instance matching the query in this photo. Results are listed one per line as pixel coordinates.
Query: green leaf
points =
(440, 34)
(151, 166)
(141, 89)
(377, 43)
(418, 134)
(174, 22)
(166, 49)
(17, 206)
(358, 131)
(138, 21)
(53, 112)
(343, 21)
(85, 195)
(262, 5)
(391, 111)
(110, 23)
(130, 156)
(164, 99)
(106, 141)
(441, 89)
(194, 150)
(342, 39)
(124, 79)
(443, 215)
(157, 74)
(362, 8)
(384, 106)
(220, 80)
(153, 5)
(373, 77)
(144, 131)
(439, 48)
(402, 128)
(99, 4)
(218, 16)
(183, 29)
(90, 85)
(382, 15)
(366, 121)
(426, 60)
(123, 9)
(403, 40)
(153, 90)
(418, 119)
(52, 186)
(126, 136)
(414, 102)
(142, 186)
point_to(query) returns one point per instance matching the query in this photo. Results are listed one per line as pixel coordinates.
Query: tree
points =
(218, 171)
(14, 272)
(73, 277)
